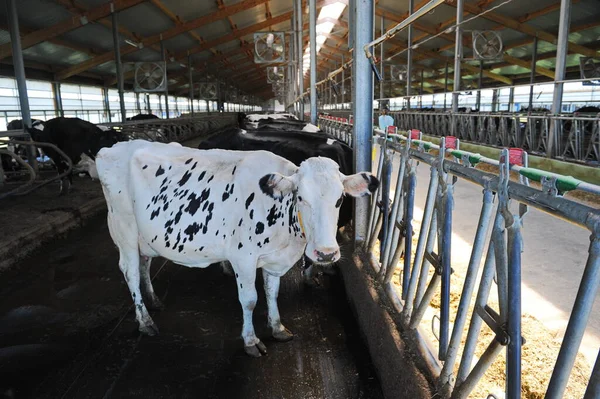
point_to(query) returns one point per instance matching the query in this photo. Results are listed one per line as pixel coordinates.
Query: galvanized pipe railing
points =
(502, 260)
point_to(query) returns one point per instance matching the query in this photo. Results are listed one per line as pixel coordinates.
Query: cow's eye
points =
(339, 201)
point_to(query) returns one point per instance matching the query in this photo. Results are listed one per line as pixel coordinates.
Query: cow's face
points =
(319, 189)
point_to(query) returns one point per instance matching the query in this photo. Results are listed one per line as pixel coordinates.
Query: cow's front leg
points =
(245, 279)
(280, 333)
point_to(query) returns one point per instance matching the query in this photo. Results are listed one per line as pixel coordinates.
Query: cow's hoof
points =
(150, 330)
(256, 350)
(283, 336)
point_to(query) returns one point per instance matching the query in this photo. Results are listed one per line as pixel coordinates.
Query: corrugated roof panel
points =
(145, 19)
(214, 30)
(39, 13)
(180, 43)
(250, 17)
(189, 10)
(94, 35)
(108, 68)
(48, 53)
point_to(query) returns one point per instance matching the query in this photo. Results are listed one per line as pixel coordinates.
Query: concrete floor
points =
(553, 259)
(67, 330)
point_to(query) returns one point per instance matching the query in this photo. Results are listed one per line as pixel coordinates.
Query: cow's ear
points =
(276, 185)
(360, 184)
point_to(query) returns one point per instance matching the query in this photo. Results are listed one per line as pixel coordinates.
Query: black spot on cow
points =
(194, 165)
(204, 206)
(252, 214)
(272, 216)
(154, 239)
(170, 167)
(234, 168)
(201, 176)
(159, 171)
(201, 248)
(189, 161)
(178, 214)
(260, 227)
(191, 230)
(237, 275)
(240, 223)
(233, 233)
(145, 166)
(241, 285)
(165, 206)
(209, 180)
(177, 241)
(155, 213)
(225, 196)
(240, 245)
(185, 178)
(266, 241)
(217, 233)
(249, 200)
(180, 248)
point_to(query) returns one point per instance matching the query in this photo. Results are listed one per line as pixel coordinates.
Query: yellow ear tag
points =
(301, 224)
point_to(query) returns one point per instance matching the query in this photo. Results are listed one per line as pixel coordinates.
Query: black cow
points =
(295, 146)
(142, 117)
(76, 138)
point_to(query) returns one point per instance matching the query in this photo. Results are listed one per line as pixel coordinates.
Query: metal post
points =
(381, 95)
(362, 98)
(457, 54)
(409, 55)
(137, 102)
(299, 49)
(163, 52)
(117, 49)
(148, 104)
(343, 83)
(19, 67)
(312, 30)
(532, 76)
(58, 105)
(106, 104)
(494, 100)
(445, 85)
(291, 86)
(593, 389)
(191, 84)
(559, 73)
(479, 83)
(511, 98)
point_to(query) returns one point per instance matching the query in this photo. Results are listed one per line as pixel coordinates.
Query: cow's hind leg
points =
(280, 333)
(245, 279)
(150, 297)
(124, 234)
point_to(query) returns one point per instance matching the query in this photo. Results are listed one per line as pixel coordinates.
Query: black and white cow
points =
(78, 139)
(295, 146)
(253, 209)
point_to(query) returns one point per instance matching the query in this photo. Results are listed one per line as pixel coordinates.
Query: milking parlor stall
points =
(263, 199)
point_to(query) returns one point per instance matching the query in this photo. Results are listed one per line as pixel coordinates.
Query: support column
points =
(343, 83)
(532, 75)
(163, 52)
(511, 99)
(562, 49)
(106, 104)
(362, 98)
(381, 69)
(299, 49)
(19, 67)
(479, 83)
(191, 84)
(57, 95)
(409, 55)
(495, 100)
(137, 102)
(445, 86)
(457, 55)
(312, 26)
(117, 49)
(147, 100)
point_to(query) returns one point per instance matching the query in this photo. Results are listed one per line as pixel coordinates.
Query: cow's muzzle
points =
(327, 255)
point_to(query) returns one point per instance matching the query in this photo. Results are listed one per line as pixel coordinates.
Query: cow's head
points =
(319, 189)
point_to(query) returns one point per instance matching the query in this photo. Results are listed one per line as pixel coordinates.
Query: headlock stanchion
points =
(502, 262)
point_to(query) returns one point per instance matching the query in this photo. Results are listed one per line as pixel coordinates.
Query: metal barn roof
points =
(217, 36)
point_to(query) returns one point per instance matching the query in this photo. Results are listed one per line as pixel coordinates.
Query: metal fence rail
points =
(501, 253)
(577, 137)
